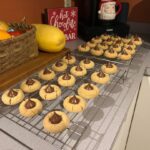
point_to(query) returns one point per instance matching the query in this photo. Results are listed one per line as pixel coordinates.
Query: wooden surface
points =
(14, 75)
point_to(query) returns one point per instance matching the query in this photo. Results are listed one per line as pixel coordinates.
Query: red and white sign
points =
(65, 19)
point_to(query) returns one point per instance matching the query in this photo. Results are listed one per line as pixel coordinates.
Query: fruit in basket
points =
(4, 35)
(50, 38)
(4, 26)
(14, 33)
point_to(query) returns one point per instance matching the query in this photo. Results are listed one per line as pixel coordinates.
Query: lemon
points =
(4, 35)
(49, 38)
(4, 26)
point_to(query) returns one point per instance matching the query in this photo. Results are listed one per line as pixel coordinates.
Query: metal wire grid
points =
(76, 129)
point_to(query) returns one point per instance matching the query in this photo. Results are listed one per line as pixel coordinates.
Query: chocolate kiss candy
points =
(12, 93)
(74, 100)
(55, 119)
(30, 104)
(49, 89)
(88, 87)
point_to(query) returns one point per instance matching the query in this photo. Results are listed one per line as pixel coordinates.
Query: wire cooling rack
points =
(69, 138)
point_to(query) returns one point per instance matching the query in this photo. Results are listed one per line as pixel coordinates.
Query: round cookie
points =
(109, 41)
(78, 71)
(103, 46)
(56, 121)
(129, 50)
(97, 39)
(69, 59)
(116, 37)
(12, 96)
(124, 55)
(88, 91)
(49, 92)
(119, 42)
(59, 66)
(137, 40)
(87, 63)
(46, 74)
(66, 80)
(30, 107)
(83, 48)
(116, 47)
(91, 44)
(105, 36)
(131, 44)
(30, 85)
(74, 103)
(96, 51)
(109, 68)
(126, 39)
(100, 77)
(110, 53)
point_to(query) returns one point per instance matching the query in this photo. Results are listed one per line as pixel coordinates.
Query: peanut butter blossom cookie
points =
(30, 85)
(100, 77)
(30, 107)
(97, 51)
(12, 96)
(49, 92)
(83, 48)
(88, 91)
(109, 68)
(110, 53)
(56, 121)
(69, 58)
(46, 74)
(74, 103)
(78, 71)
(59, 66)
(87, 63)
(124, 55)
(66, 80)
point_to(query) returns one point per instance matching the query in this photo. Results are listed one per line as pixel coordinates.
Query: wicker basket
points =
(18, 49)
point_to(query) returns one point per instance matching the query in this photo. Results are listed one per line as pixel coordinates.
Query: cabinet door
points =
(139, 137)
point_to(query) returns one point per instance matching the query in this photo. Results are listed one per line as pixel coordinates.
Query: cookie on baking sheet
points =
(100, 77)
(129, 50)
(137, 40)
(30, 85)
(105, 36)
(97, 39)
(109, 68)
(91, 44)
(97, 51)
(109, 41)
(12, 96)
(83, 48)
(46, 74)
(66, 80)
(74, 103)
(56, 121)
(49, 92)
(78, 71)
(59, 66)
(30, 107)
(124, 55)
(88, 91)
(110, 53)
(69, 58)
(87, 63)
(116, 47)
(131, 44)
(103, 46)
